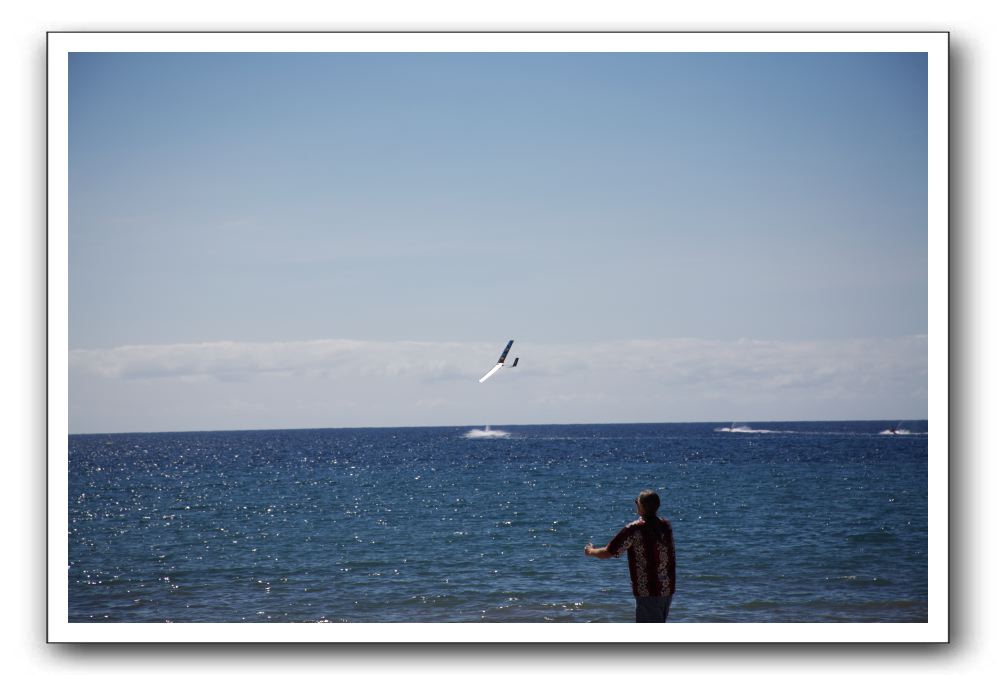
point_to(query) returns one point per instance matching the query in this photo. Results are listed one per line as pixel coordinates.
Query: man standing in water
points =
(649, 546)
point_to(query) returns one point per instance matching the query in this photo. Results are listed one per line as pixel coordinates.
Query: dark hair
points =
(650, 502)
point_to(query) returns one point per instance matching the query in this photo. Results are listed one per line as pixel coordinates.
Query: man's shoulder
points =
(624, 537)
(628, 528)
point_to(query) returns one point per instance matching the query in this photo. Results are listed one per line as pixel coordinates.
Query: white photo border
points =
(934, 44)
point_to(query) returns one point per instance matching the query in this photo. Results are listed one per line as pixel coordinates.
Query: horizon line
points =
(462, 426)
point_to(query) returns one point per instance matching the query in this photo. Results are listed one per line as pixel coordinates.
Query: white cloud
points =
(227, 360)
(366, 383)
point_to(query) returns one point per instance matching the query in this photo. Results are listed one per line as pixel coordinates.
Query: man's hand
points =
(602, 553)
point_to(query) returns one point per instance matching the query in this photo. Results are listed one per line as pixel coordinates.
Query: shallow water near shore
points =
(773, 522)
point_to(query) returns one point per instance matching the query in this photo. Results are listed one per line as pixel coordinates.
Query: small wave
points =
(877, 537)
(856, 581)
(761, 604)
(894, 432)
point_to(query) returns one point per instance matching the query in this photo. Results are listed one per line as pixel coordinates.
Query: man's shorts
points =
(653, 609)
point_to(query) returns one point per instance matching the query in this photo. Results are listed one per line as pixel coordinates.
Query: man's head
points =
(647, 503)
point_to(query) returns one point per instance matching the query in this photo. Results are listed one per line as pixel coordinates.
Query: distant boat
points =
(486, 432)
(895, 430)
(733, 427)
(744, 429)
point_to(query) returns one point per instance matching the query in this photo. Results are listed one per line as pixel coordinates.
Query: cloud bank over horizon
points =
(354, 383)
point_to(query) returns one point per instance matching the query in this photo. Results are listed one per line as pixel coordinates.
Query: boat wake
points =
(486, 432)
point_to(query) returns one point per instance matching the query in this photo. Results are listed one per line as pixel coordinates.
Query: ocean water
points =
(773, 522)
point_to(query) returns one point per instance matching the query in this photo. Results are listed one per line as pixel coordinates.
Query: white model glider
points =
(501, 362)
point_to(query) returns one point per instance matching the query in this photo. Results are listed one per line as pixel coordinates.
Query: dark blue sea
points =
(773, 522)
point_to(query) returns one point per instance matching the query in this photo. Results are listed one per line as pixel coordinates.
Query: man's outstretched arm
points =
(602, 552)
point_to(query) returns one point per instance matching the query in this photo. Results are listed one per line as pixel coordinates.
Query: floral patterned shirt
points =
(651, 563)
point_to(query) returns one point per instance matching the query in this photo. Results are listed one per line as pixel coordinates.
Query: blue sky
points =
(257, 240)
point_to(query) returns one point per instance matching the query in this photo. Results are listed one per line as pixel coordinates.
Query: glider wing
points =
(491, 372)
(501, 362)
